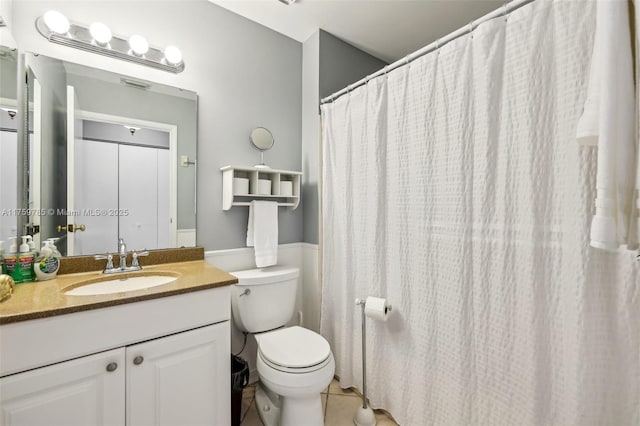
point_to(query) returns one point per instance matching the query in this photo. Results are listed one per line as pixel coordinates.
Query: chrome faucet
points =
(122, 252)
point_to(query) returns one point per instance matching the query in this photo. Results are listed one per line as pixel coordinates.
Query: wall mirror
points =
(261, 139)
(8, 143)
(104, 161)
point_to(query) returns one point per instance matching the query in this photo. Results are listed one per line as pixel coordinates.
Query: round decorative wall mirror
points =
(262, 140)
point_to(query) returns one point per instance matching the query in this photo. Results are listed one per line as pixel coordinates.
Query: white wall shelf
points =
(234, 194)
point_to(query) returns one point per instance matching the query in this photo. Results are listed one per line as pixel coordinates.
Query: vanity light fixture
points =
(173, 55)
(97, 38)
(139, 45)
(56, 22)
(101, 33)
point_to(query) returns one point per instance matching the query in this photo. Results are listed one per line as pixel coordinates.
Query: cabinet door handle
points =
(138, 360)
(112, 366)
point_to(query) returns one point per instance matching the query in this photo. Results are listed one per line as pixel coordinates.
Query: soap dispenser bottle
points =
(32, 246)
(47, 264)
(24, 268)
(55, 250)
(11, 258)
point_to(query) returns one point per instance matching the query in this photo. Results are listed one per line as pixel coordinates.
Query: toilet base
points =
(302, 411)
(275, 410)
(267, 405)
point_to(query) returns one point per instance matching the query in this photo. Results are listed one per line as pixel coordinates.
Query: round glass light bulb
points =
(100, 33)
(173, 55)
(56, 22)
(138, 44)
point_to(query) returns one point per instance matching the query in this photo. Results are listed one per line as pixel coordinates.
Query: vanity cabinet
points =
(241, 185)
(173, 380)
(162, 361)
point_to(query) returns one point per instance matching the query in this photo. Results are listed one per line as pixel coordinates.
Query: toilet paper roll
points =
(377, 308)
(286, 188)
(240, 186)
(264, 187)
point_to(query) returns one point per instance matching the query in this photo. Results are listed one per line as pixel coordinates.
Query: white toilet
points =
(294, 364)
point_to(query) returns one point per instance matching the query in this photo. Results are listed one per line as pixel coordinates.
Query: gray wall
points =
(330, 64)
(342, 64)
(245, 75)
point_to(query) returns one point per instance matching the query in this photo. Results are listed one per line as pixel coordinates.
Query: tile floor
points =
(340, 405)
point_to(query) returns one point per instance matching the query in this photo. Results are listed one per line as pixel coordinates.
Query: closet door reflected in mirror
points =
(104, 173)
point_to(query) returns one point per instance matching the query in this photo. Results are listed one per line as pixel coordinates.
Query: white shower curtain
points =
(453, 187)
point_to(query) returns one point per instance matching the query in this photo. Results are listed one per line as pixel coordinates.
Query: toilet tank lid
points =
(266, 275)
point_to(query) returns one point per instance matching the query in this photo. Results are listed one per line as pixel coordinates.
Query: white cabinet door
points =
(181, 379)
(83, 391)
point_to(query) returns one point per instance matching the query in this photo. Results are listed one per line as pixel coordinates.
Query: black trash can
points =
(239, 380)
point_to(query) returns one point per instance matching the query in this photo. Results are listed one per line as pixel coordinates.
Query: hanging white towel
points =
(610, 121)
(262, 232)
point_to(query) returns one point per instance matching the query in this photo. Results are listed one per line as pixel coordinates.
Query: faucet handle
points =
(108, 257)
(135, 255)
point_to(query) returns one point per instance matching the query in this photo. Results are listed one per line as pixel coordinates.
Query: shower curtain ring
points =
(406, 60)
(505, 13)
(471, 28)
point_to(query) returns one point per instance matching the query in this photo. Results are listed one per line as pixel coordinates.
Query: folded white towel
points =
(262, 232)
(610, 121)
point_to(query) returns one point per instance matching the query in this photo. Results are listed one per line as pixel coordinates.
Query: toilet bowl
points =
(294, 364)
(298, 365)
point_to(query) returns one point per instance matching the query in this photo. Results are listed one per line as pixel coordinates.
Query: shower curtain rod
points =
(503, 11)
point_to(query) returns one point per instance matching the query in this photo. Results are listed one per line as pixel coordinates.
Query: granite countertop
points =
(43, 299)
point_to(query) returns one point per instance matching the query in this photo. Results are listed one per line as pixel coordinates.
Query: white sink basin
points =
(120, 285)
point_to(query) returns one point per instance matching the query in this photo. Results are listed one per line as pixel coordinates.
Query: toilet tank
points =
(264, 298)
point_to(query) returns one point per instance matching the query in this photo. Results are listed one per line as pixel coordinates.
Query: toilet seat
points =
(294, 350)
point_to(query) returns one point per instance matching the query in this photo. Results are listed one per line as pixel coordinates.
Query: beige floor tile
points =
(324, 397)
(382, 419)
(247, 399)
(335, 389)
(252, 418)
(341, 409)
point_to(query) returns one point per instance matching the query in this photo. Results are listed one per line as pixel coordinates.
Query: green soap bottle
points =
(11, 258)
(24, 268)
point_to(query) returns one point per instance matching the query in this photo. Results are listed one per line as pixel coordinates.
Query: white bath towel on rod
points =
(262, 232)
